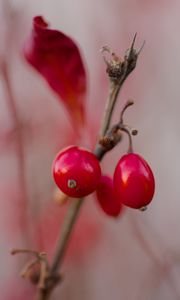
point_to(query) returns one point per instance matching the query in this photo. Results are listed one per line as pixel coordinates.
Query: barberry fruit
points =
(109, 202)
(134, 181)
(76, 171)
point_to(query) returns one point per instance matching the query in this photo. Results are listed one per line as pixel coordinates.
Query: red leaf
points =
(58, 60)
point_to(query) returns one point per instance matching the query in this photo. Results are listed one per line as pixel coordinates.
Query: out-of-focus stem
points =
(19, 145)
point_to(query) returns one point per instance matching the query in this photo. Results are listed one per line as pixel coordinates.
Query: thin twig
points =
(113, 94)
(66, 231)
(62, 244)
(28, 251)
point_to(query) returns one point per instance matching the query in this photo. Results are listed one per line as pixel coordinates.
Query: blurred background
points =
(136, 256)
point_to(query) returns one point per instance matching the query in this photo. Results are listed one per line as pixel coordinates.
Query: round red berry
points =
(134, 181)
(109, 202)
(76, 171)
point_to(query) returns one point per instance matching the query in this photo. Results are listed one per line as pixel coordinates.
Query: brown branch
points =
(113, 94)
(65, 233)
(118, 70)
(62, 244)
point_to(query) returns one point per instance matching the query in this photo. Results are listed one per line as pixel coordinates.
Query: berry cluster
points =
(77, 173)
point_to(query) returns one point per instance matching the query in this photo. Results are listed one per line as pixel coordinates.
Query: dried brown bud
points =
(32, 272)
(117, 68)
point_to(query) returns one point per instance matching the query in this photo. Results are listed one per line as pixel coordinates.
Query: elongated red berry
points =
(109, 202)
(134, 181)
(76, 171)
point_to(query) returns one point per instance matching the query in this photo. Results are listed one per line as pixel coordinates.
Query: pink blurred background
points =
(137, 256)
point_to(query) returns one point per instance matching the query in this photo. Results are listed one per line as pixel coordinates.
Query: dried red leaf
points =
(58, 59)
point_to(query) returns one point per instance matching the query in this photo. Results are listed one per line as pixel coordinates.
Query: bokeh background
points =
(136, 256)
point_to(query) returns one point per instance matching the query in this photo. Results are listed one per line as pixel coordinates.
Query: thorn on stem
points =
(133, 42)
(140, 49)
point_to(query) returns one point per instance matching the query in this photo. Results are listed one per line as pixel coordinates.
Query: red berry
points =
(76, 171)
(134, 181)
(108, 200)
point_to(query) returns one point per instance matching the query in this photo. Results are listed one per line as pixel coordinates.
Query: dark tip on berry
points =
(72, 183)
(143, 208)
